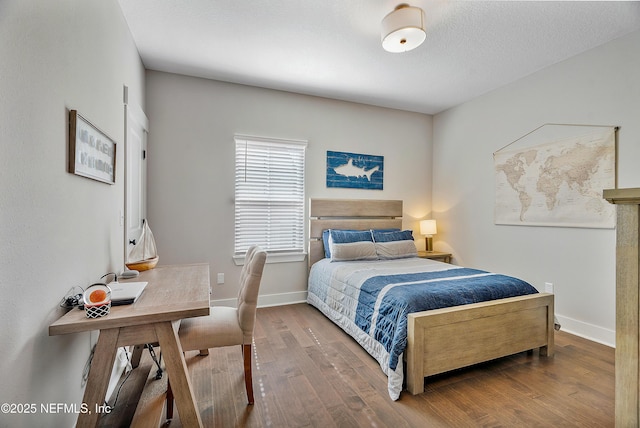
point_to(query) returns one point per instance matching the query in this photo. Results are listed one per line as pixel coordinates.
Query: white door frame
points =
(136, 130)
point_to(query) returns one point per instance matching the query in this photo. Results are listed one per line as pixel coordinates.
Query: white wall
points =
(600, 87)
(191, 166)
(57, 230)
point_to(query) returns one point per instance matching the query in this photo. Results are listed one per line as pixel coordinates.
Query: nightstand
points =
(435, 255)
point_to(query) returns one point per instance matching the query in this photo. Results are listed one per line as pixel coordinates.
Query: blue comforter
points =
(406, 293)
(371, 300)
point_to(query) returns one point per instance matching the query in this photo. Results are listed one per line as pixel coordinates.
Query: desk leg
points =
(99, 374)
(178, 374)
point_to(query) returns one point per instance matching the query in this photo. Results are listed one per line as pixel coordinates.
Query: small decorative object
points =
(97, 300)
(354, 170)
(92, 153)
(428, 228)
(144, 254)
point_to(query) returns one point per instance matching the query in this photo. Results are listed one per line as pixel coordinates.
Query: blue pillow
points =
(386, 236)
(325, 237)
(325, 242)
(347, 236)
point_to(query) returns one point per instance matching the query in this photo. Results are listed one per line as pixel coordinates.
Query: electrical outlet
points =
(548, 287)
(221, 278)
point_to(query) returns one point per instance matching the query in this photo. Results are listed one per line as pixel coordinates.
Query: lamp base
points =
(428, 244)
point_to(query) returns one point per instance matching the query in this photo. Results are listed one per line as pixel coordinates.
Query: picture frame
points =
(92, 153)
(355, 170)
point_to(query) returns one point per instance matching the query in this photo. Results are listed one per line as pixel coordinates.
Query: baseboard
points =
(269, 299)
(588, 331)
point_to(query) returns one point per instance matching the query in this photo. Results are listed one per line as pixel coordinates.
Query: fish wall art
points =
(354, 170)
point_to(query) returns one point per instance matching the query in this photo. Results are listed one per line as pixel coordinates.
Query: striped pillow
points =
(347, 245)
(394, 245)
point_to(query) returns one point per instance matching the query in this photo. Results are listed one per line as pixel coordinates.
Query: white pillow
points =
(396, 249)
(363, 250)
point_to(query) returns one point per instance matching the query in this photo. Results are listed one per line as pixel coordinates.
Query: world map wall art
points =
(559, 183)
(353, 170)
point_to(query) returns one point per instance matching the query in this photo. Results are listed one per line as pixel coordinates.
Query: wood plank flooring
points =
(308, 373)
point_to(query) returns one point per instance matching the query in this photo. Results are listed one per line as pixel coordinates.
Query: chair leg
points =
(248, 381)
(169, 401)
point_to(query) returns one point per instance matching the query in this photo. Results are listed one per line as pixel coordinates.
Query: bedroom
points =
(70, 227)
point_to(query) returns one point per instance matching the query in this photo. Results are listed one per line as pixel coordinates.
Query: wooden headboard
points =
(353, 214)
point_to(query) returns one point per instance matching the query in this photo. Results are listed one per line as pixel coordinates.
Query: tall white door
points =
(137, 126)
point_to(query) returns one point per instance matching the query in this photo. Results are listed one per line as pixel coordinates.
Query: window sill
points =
(275, 258)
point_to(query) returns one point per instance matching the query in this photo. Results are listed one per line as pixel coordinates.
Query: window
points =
(269, 197)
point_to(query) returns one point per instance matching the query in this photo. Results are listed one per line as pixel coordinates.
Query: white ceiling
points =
(332, 48)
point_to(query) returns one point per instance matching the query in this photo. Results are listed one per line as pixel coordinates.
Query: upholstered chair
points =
(227, 326)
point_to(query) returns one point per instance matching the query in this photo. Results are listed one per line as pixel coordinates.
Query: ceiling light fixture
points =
(403, 29)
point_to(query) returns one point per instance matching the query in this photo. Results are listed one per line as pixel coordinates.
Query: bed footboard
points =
(446, 339)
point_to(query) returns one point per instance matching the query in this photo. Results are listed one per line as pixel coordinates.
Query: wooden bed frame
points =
(443, 339)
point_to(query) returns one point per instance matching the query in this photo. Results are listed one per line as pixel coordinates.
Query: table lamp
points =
(428, 228)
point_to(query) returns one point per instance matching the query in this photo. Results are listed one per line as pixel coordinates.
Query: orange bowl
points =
(97, 295)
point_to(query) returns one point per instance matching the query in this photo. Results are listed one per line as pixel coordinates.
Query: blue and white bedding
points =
(370, 300)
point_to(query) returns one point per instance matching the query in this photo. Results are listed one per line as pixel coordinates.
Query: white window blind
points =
(269, 195)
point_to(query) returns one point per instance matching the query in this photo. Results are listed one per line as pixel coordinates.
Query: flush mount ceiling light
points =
(403, 29)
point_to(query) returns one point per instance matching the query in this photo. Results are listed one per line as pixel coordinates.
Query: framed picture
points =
(92, 153)
(354, 170)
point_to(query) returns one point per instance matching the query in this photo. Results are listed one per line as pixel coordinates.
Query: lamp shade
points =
(428, 227)
(403, 29)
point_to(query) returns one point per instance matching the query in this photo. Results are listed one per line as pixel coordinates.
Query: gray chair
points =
(226, 326)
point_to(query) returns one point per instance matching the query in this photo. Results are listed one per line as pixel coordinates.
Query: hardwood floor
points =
(308, 373)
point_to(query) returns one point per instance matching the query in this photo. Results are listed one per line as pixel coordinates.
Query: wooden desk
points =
(172, 293)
